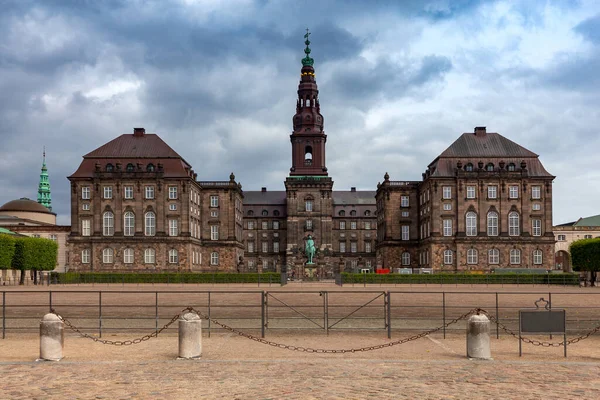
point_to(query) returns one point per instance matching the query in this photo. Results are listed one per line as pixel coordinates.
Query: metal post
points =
(3, 315)
(444, 311)
(550, 308)
(325, 312)
(156, 310)
(100, 314)
(208, 314)
(389, 314)
(50, 299)
(365, 280)
(262, 314)
(497, 319)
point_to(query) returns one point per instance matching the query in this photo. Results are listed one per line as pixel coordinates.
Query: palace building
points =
(137, 205)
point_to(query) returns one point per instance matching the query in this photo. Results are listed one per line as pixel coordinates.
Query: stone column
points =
(190, 336)
(52, 338)
(478, 337)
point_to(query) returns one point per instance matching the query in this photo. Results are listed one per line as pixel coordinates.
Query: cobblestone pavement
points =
(233, 367)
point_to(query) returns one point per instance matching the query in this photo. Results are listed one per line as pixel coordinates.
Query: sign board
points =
(543, 321)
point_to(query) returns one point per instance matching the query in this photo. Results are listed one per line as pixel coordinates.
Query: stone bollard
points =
(478, 337)
(190, 336)
(52, 338)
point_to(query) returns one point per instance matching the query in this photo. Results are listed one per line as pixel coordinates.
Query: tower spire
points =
(44, 196)
(307, 61)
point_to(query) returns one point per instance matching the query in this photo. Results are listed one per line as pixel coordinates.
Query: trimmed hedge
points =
(34, 253)
(163, 277)
(585, 254)
(7, 251)
(552, 279)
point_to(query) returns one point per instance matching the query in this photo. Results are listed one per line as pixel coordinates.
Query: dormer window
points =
(353, 213)
(110, 168)
(129, 167)
(511, 167)
(276, 213)
(469, 167)
(250, 213)
(265, 213)
(342, 213)
(150, 168)
(489, 167)
(367, 213)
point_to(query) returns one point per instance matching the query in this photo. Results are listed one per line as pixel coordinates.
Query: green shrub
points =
(164, 277)
(552, 279)
(7, 251)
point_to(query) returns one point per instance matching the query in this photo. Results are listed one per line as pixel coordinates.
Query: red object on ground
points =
(383, 271)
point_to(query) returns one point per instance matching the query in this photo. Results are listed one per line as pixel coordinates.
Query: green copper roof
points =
(588, 221)
(6, 231)
(44, 196)
(307, 61)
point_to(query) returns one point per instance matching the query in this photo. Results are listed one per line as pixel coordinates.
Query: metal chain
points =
(69, 325)
(329, 351)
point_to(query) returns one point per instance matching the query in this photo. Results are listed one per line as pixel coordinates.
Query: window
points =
(353, 247)
(85, 227)
(85, 192)
(405, 232)
(107, 192)
(265, 225)
(149, 256)
(536, 192)
(492, 223)
(173, 256)
(537, 257)
(108, 224)
(173, 228)
(367, 213)
(128, 256)
(492, 192)
(367, 225)
(515, 256)
(275, 225)
(536, 207)
(513, 224)
(250, 224)
(511, 167)
(85, 206)
(469, 167)
(352, 224)
(264, 213)
(404, 201)
(406, 258)
(536, 224)
(129, 167)
(471, 256)
(109, 167)
(250, 213)
(309, 224)
(107, 256)
(214, 202)
(172, 192)
(447, 224)
(562, 238)
(308, 205)
(250, 247)
(342, 247)
(172, 207)
(85, 256)
(587, 236)
(494, 256)
(448, 257)
(150, 225)
(367, 247)
(250, 264)
(447, 206)
(128, 190)
(342, 213)
(275, 247)
(215, 213)
(471, 220)
(446, 192)
(276, 213)
(150, 168)
(353, 213)
(489, 167)
(405, 214)
(470, 192)
(129, 224)
(149, 192)
(214, 232)
(513, 192)
(342, 224)
(265, 247)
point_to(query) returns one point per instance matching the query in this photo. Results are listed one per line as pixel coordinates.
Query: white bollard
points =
(190, 336)
(52, 338)
(478, 337)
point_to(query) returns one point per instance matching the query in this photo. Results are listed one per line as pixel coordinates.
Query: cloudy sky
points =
(399, 81)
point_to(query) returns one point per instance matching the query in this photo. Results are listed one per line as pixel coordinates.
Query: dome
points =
(25, 205)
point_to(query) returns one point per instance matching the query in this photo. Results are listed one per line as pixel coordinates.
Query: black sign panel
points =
(552, 321)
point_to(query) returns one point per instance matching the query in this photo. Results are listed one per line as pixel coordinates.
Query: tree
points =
(34, 254)
(7, 251)
(585, 256)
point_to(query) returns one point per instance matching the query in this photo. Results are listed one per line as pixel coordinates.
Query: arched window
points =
(250, 213)
(367, 213)
(515, 256)
(471, 218)
(129, 167)
(494, 256)
(469, 167)
(353, 213)
(150, 168)
(492, 223)
(511, 167)
(108, 224)
(128, 256)
(107, 255)
(276, 213)
(308, 156)
(129, 224)
(342, 213)
(149, 256)
(150, 225)
(406, 258)
(109, 168)
(471, 256)
(448, 257)
(489, 167)
(265, 213)
(513, 224)
(173, 256)
(537, 257)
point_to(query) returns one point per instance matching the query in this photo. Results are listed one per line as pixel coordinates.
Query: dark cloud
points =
(590, 29)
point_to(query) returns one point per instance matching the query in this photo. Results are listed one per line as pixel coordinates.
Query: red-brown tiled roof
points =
(148, 145)
(488, 145)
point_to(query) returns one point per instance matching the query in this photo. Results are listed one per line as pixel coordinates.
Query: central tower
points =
(308, 188)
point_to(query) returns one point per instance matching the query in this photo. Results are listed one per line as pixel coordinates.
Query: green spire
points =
(307, 61)
(44, 197)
